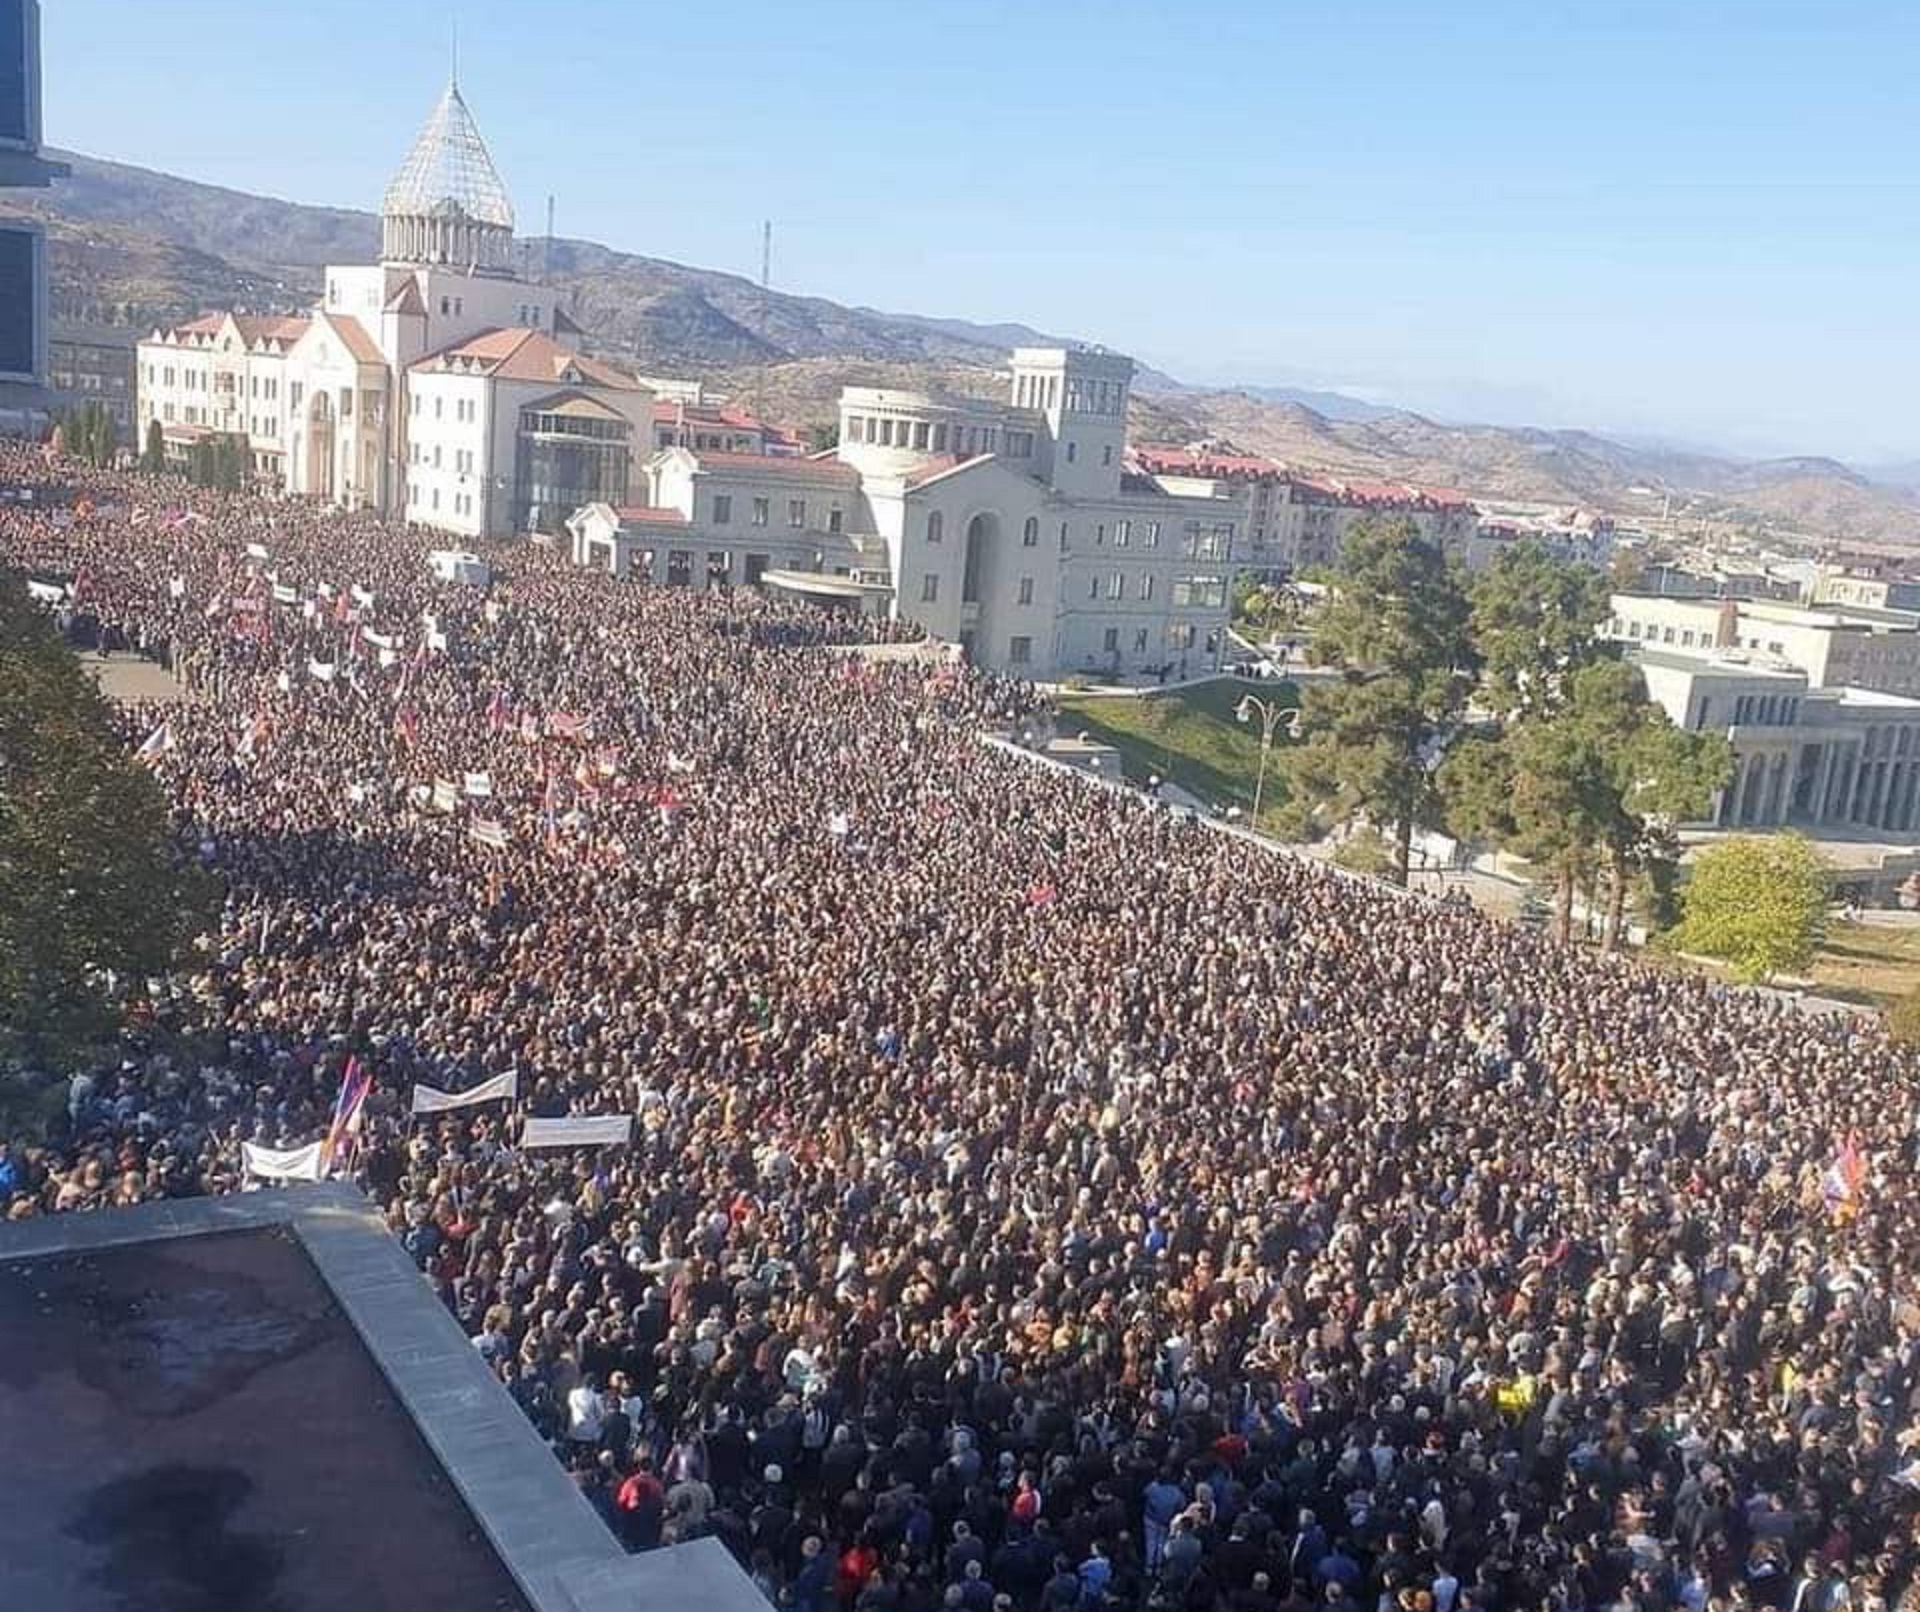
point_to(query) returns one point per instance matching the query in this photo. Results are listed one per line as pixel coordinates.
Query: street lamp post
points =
(1271, 713)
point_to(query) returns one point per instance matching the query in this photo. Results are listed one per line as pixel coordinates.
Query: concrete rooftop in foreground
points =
(259, 1396)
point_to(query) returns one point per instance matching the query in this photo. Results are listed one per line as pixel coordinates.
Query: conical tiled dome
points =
(447, 204)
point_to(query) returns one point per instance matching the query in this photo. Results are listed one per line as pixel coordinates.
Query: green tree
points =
(89, 435)
(1396, 627)
(1587, 777)
(824, 437)
(1661, 776)
(1595, 784)
(1758, 902)
(90, 882)
(153, 457)
(1534, 619)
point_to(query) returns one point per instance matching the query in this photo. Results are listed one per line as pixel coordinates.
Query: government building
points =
(439, 387)
(1015, 529)
(435, 385)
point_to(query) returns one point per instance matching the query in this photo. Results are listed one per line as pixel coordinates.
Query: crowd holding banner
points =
(953, 1185)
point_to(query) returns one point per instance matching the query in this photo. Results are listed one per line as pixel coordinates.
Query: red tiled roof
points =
(800, 469)
(353, 335)
(640, 514)
(1170, 461)
(286, 331)
(669, 413)
(407, 299)
(519, 354)
(945, 464)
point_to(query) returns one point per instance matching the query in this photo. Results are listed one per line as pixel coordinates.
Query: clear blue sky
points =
(1698, 218)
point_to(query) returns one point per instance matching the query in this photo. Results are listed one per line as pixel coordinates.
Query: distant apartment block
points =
(1296, 521)
(90, 362)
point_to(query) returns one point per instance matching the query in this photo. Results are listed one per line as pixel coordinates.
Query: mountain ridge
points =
(149, 247)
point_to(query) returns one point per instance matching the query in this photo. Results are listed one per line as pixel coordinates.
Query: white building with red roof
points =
(1297, 520)
(435, 384)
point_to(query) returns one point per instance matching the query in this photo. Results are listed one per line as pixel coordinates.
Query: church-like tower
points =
(447, 207)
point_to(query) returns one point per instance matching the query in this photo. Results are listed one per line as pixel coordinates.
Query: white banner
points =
(256, 552)
(600, 1130)
(379, 640)
(282, 594)
(283, 1164)
(432, 1100)
(46, 592)
(479, 784)
(446, 797)
(322, 669)
(361, 596)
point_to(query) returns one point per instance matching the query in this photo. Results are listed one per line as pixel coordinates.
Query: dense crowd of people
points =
(1036, 1200)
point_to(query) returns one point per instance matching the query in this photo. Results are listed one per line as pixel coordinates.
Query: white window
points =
(796, 512)
(836, 519)
(722, 509)
(1153, 534)
(1026, 590)
(1122, 534)
(1030, 533)
(1140, 641)
(936, 526)
(762, 511)
(930, 588)
(1019, 651)
(1093, 586)
(1117, 585)
(1146, 585)
(1110, 641)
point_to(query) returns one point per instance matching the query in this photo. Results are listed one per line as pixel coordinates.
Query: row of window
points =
(466, 410)
(462, 502)
(1766, 710)
(418, 453)
(1124, 533)
(761, 513)
(936, 436)
(1180, 636)
(1189, 593)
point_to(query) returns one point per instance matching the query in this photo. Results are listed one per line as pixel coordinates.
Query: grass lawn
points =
(1865, 963)
(1188, 737)
(1859, 963)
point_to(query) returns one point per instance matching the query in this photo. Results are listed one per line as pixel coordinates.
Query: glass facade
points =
(565, 459)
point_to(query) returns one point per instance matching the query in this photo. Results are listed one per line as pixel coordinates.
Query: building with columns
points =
(1013, 529)
(436, 384)
(1824, 758)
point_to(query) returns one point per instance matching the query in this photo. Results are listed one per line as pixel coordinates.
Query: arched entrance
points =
(320, 444)
(982, 531)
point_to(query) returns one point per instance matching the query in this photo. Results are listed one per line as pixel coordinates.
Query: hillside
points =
(147, 247)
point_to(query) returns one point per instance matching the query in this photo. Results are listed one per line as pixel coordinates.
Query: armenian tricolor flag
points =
(356, 1081)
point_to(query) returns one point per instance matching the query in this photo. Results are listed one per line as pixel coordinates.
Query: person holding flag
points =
(356, 1081)
(1845, 1177)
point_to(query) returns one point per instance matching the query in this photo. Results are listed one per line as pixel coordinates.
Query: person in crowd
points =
(1034, 1198)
